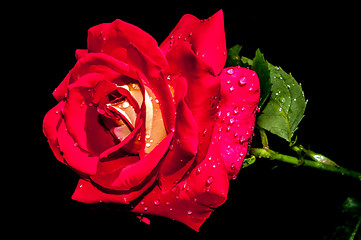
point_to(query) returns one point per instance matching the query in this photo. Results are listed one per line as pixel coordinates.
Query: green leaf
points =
(261, 67)
(285, 108)
(233, 58)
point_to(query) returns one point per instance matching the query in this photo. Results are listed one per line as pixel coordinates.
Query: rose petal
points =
(82, 122)
(134, 174)
(203, 90)
(74, 156)
(185, 142)
(79, 53)
(99, 63)
(87, 192)
(151, 75)
(51, 123)
(207, 39)
(236, 117)
(62, 90)
(114, 39)
(169, 204)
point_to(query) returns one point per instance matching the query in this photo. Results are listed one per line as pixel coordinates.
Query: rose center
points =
(120, 109)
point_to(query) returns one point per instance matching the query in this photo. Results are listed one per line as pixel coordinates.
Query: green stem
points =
(272, 155)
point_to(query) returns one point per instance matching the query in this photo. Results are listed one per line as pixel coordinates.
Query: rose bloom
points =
(162, 128)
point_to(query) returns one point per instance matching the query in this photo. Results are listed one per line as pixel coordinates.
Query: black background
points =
(317, 43)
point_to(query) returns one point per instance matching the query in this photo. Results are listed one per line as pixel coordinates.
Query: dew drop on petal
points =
(210, 180)
(156, 202)
(230, 71)
(189, 212)
(236, 110)
(242, 81)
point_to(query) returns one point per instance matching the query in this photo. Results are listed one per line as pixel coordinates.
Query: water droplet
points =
(75, 144)
(156, 202)
(236, 110)
(199, 170)
(242, 139)
(147, 136)
(189, 212)
(242, 81)
(233, 166)
(210, 180)
(230, 71)
(219, 114)
(231, 89)
(204, 132)
(147, 145)
(145, 209)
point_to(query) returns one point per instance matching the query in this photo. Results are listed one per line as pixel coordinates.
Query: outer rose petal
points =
(169, 204)
(51, 123)
(206, 37)
(87, 192)
(114, 39)
(202, 93)
(134, 174)
(240, 94)
(74, 156)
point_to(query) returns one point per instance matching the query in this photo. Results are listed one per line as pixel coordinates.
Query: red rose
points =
(161, 128)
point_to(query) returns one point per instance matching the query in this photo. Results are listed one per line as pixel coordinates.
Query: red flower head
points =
(161, 128)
